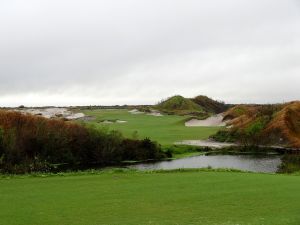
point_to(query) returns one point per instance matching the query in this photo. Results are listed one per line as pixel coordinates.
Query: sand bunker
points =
(75, 116)
(154, 113)
(135, 111)
(53, 113)
(121, 121)
(110, 122)
(107, 122)
(213, 121)
(151, 113)
(205, 143)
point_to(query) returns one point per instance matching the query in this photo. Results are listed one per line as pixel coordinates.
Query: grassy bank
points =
(165, 130)
(160, 198)
(183, 151)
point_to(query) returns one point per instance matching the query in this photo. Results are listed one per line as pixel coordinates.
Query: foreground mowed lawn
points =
(134, 198)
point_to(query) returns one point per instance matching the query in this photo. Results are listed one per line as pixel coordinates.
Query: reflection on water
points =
(255, 163)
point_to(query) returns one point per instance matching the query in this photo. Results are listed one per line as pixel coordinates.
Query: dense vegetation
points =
(180, 106)
(160, 198)
(210, 105)
(263, 125)
(200, 106)
(31, 143)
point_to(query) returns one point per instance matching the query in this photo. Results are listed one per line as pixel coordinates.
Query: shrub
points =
(31, 143)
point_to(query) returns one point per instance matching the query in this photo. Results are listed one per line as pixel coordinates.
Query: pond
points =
(254, 163)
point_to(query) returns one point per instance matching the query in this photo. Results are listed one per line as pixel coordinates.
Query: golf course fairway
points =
(158, 198)
(165, 129)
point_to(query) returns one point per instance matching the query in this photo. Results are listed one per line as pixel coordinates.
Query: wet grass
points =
(165, 129)
(160, 198)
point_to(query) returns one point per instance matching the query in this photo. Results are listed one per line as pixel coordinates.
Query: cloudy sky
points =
(82, 52)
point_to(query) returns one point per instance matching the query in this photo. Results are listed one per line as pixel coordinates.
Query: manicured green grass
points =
(136, 198)
(166, 129)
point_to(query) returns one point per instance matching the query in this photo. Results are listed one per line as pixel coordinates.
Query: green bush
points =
(225, 136)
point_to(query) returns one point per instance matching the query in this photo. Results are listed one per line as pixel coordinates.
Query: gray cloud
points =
(115, 52)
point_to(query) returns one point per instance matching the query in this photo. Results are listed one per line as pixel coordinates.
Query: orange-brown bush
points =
(285, 126)
(266, 124)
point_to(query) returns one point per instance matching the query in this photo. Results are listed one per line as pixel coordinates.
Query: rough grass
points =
(286, 124)
(209, 104)
(274, 124)
(178, 102)
(160, 198)
(165, 129)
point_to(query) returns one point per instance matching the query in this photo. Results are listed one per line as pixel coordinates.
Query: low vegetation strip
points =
(160, 198)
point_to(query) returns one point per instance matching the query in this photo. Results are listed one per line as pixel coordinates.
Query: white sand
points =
(53, 113)
(110, 122)
(75, 116)
(213, 121)
(135, 111)
(121, 121)
(154, 113)
(205, 143)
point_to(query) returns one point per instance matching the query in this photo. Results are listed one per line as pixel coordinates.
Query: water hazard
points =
(254, 163)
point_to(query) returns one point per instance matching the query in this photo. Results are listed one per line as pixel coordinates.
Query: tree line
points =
(32, 143)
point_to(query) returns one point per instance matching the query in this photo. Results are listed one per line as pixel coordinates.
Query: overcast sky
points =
(82, 52)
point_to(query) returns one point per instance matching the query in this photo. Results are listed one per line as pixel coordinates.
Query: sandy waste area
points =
(213, 121)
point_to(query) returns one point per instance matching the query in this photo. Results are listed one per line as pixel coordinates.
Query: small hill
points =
(200, 105)
(178, 102)
(240, 114)
(210, 105)
(285, 126)
(264, 124)
(179, 105)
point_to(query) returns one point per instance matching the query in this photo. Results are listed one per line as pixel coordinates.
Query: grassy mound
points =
(178, 102)
(181, 106)
(285, 126)
(210, 105)
(264, 124)
(240, 110)
(201, 106)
